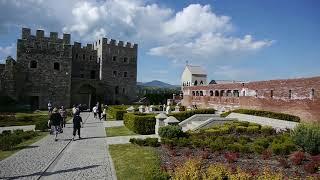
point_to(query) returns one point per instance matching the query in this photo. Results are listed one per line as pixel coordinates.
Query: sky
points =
(232, 40)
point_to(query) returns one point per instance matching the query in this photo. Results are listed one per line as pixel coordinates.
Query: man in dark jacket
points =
(55, 120)
(77, 121)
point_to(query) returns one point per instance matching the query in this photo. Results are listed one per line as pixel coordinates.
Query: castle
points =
(300, 97)
(51, 69)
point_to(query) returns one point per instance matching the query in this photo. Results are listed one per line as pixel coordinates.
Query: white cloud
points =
(7, 51)
(195, 33)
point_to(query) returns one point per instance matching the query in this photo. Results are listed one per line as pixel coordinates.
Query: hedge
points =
(268, 114)
(181, 116)
(140, 123)
(117, 112)
(21, 119)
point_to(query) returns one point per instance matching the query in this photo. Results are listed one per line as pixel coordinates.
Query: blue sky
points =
(239, 40)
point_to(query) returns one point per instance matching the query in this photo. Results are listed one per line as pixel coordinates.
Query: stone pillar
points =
(159, 122)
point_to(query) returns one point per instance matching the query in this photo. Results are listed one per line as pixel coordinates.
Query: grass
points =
(25, 144)
(118, 131)
(135, 162)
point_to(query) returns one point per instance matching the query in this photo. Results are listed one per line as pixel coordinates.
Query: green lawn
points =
(118, 131)
(25, 144)
(136, 162)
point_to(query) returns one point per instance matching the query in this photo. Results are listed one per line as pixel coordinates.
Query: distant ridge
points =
(156, 83)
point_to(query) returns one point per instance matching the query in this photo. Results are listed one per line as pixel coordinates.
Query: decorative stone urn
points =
(168, 110)
(177, 108)
(141, 108)
(130, 109)
(171, 121)
(159, 121)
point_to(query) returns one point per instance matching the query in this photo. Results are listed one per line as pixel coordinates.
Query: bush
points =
(231, 157)
(145, 142)
(257, 148)
(297, 157)
(117, 112)
(267, 130)
(190, 170)
(140, 123)
(9, 140)
(183, 142)
(225, 114)
(181, 116)
(307, 136)
(42, 125)
(282, 145)
(268, 114)
(171, 132)
(241, 129)
(263, 142)
(253, 129)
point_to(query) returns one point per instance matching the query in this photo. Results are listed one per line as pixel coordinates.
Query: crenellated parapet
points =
(115, 43)
(40, 36)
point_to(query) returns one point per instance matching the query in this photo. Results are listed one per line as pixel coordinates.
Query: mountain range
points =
(156, 83)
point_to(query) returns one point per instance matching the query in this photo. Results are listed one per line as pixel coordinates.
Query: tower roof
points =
(196, 70)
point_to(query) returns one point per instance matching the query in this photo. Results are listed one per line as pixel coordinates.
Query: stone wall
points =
(299, 97)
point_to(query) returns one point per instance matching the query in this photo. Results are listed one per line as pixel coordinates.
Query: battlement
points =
(40, 36)
(78, 45)
(113, 42)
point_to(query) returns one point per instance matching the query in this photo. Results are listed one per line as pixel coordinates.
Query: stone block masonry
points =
(52, 69)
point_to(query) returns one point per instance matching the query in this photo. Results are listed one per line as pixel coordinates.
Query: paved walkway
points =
(87, 158)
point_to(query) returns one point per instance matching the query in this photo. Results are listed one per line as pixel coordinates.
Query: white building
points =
(194, 76)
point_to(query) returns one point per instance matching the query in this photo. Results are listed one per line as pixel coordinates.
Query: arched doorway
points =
(85, 95)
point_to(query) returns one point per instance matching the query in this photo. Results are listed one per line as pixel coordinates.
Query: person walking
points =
(63, 114)
(104, 113)
(49, 107)
(77, 122)
(55, 121)
(95, 111)
(99, 111)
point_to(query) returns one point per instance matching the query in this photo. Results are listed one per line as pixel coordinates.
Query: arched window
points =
(56, 66)
(114, 58)
(193, 93)
(116, 90)
(201, 93)
(236, 93)
(83, 56)
(125, 74)
(33, 64)
(195, 82)
(114, 73)
(271, 93)
(222, 93)
(201, 82)
(211, 93)
(312, 93)
(216, 93)
(229, 94)
(290, 94)
(125, 59)
(197, 93)
(123, 91)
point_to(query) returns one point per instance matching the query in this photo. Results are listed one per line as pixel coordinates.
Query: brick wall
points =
(299, 97)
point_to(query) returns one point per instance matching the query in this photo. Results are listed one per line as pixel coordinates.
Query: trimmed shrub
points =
(225, 114)
(263, 142)
(42, 125)
(282, 145)
(171, 132)
(145, 142)
(268, 114)
(267, 130)
(241, 129)
(183, 142)
(186, 114)
(257, 148)
(9, 141)
(140, 123)
(253, 129)
(307, 136)
(117, 111)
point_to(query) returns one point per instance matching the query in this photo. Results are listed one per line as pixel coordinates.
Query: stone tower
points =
(46, 64)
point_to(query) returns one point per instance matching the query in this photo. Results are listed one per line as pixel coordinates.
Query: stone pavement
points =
(87, 158)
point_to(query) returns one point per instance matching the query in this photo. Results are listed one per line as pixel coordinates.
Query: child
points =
(95, 111)
(104, 113)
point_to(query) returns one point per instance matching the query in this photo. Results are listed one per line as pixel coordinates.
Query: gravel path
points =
(87, 158)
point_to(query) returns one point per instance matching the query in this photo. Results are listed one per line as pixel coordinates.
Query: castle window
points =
(195, 82)
(271, 93)
(201, 82)
(116, 90)
(312, 93)
(197, 93)
(193, 93)
(211, 93)
(256, 93)
(201, 93)
(114, 58)
(222, 93)
(83, 56)
(123, 91)
(90, 57)
(235, 93)
(56, 66)
(93, 74)
(33, 64)
(125, 59)
(125, 74)
(229, 93)
(76, 56)
(99, 41)
(114, 73)
(290, 94)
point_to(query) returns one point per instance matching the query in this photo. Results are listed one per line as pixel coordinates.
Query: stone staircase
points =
(199, 121)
